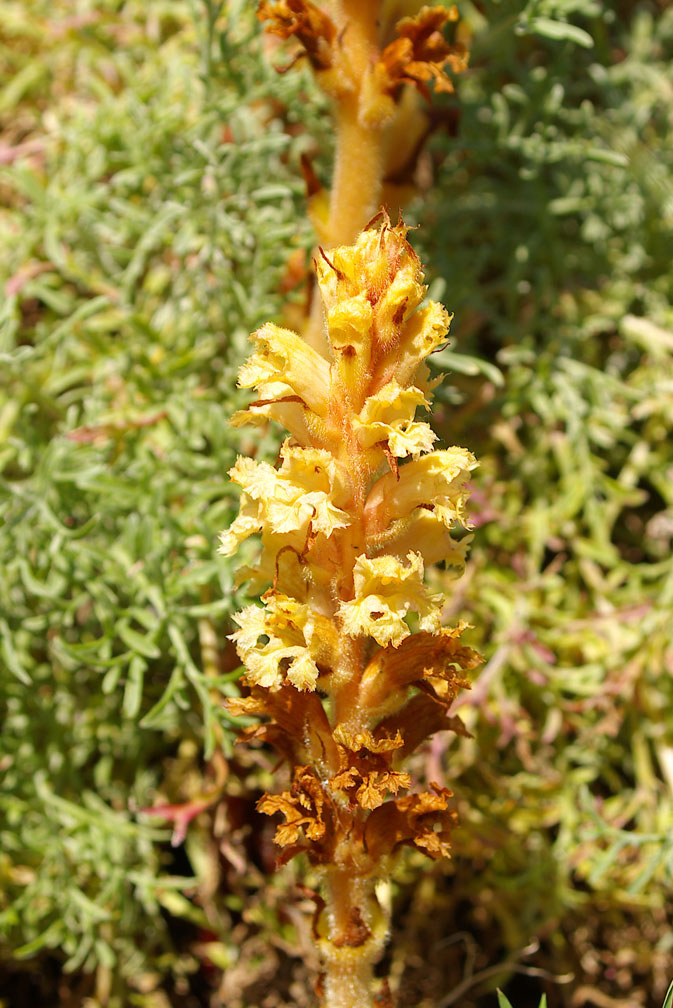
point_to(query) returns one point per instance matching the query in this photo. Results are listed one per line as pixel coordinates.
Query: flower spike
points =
(346, 657)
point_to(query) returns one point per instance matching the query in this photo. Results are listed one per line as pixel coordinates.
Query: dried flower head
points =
(304, 20)
(421, 52)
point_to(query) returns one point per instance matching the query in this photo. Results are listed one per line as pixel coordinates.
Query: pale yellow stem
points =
(358, 168)
(358, 176)
(357, 186)
(349, 967)
(349, 980)
(358, 23)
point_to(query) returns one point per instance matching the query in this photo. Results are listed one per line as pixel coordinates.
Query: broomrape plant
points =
(347, 659)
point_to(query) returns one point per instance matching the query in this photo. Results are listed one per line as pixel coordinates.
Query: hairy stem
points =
(355, 197)
(356, 936)
(358, 169)
(358, 175)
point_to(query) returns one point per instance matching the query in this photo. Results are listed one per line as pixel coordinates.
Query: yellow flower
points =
(438, 482)
(386, 591)
(383, 268)
(284, 366)
(298, 495)
(426, 330)
(245, 524)
(388, 416)
(293, 416)
(272, 645)
(429, 535)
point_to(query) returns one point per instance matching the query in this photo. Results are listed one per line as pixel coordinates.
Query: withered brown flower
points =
(421, 52)
(305, 807)
(303, 19)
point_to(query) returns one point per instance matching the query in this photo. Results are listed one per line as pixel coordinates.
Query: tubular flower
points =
(385, 591)
(385, 417)
(305, 21)
(346, 657)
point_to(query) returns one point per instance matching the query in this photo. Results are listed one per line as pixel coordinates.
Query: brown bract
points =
(422, 820)
(312, 27)
(298, 729)
(358, 764)
(420, 718)
(421, 659)
(421, 52)
(356, 932)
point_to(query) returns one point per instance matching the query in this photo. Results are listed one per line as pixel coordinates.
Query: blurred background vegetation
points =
(151, 215)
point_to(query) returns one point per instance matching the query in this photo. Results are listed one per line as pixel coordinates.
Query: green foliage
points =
(140, 246)
(668, 1001)
(503, 1002)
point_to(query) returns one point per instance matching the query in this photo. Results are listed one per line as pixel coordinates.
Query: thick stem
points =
(357, 186)
(348, 981)
(348, 670)
(356, 935)
(345, 704)
(358, 169)
(358, 175)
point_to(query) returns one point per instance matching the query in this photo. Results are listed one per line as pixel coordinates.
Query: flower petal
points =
(284, 357)
(438, 481)
(386, 590)
(388, 416)
(290, 499)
